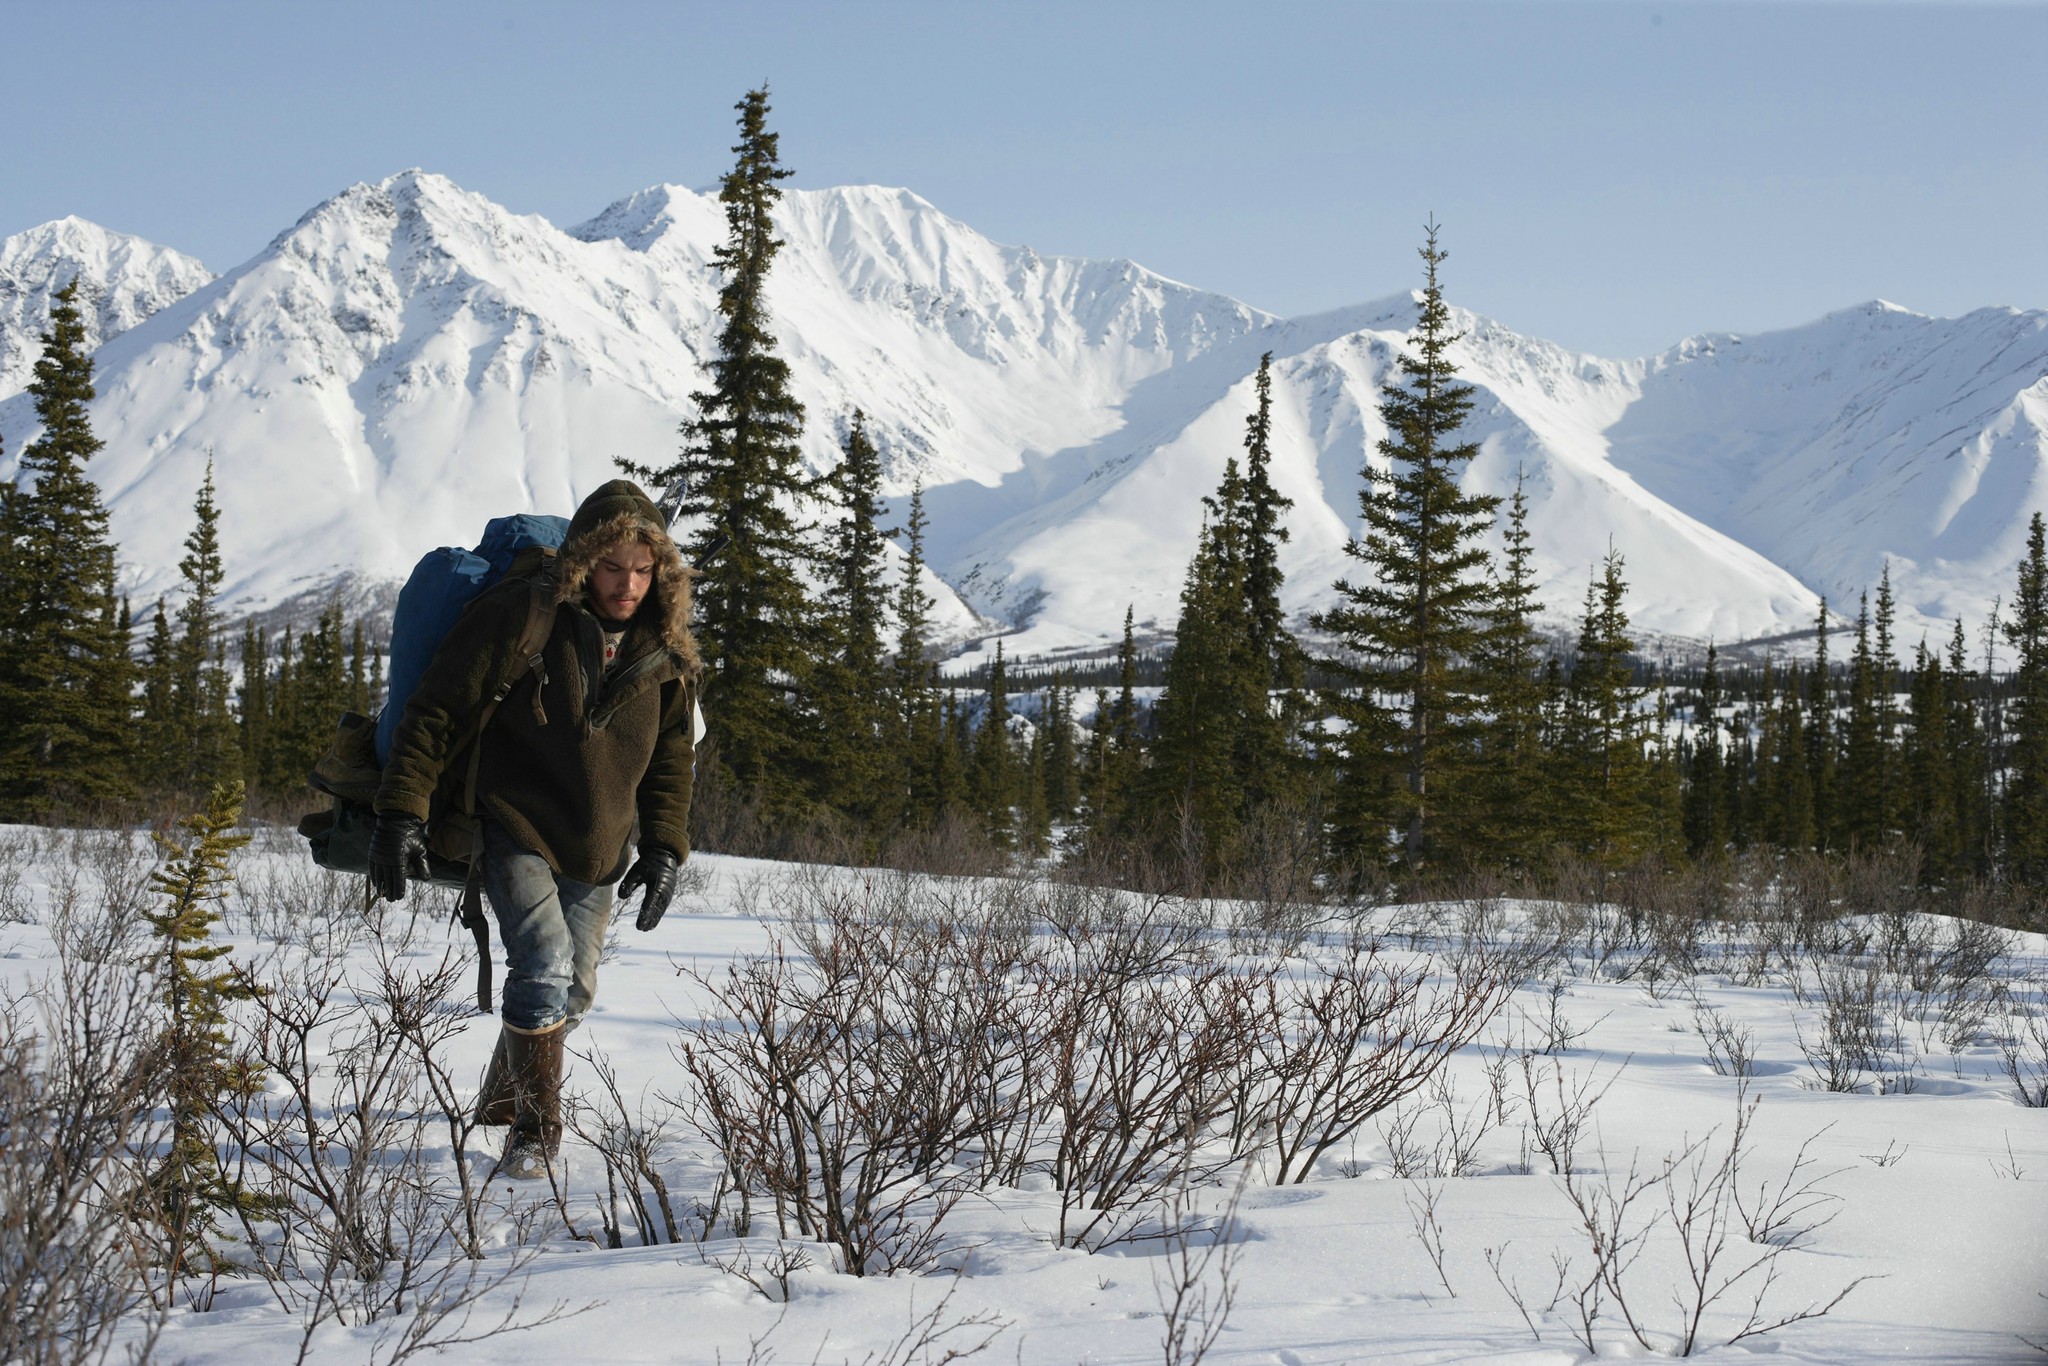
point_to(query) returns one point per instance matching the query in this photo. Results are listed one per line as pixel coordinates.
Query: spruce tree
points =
(1929, 786)
(283, 728)
(1969, 762)
(190, 1187)
(1820, 736)
(1062, 788)
(64, 666)
(2026, 782)
(1119, 761)
(1862, 801)
(1611, 807)
(1785, 778)
(205, 725)
(1890, 800)
(1034, 810)
(307, 691)
(1705, 803)
(1215, 690)
(742, 474)
(855, 692)
(1415, 623)
(917, 722)
(992, 783)
(1505, 820)
(1272, 653)
(253, 702)
(161, 742)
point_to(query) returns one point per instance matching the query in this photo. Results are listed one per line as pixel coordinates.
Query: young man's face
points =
(621, 579)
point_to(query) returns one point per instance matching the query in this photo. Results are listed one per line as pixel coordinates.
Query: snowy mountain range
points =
(410, 358)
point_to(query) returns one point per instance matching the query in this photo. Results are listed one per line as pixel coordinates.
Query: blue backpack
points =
(442, 584)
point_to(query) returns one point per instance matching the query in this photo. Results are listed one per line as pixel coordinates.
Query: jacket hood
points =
(617, 513)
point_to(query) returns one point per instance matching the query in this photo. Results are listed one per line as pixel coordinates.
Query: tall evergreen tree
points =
(1889, 803)
(205, 727)
(307, 692)
(1820, 735)
(742, 474)
(1117, 755)
(1969, 764)
(918, 730)
(855, 692)
(1928, 784)
(1215, 691)
(1505, 819)
(1706, 802)
(254, 703)
(1414, 625)
(1062, 788)
(1611, 808)
(2026, 782)
(1263, 756)
(993, 786)
(64, 665)
(1262, 532)
(160, 742)
(1785, 779)
(1861, 805)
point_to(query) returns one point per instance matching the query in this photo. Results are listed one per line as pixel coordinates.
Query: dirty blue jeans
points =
(553, 928)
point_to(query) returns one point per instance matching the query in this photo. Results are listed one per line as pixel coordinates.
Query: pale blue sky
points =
(1610, 176)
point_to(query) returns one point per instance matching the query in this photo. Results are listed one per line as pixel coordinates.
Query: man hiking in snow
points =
(595, 735)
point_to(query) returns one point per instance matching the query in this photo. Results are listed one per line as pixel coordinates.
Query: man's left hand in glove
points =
(657, 870)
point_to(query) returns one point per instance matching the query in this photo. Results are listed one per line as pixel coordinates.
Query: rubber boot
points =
(494, 1103)
(535, 1062)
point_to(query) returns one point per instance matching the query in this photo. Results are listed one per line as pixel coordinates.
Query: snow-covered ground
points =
(1928, 1183)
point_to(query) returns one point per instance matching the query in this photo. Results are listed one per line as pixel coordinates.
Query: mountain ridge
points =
(408, 358)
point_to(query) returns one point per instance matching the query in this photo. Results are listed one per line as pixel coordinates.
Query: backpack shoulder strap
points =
(536, 567)
(528, 653)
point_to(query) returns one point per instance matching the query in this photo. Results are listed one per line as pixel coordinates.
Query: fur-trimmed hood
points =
(617, 513)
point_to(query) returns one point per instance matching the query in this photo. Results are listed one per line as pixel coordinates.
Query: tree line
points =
(89, 724)
(1435, 731)
(1439, 731)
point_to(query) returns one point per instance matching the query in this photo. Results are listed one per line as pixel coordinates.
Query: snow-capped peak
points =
(122, 280)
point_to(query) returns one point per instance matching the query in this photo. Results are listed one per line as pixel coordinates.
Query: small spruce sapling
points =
(200, 1062)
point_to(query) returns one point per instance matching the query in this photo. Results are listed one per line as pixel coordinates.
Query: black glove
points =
(656, 869)
(398, 850)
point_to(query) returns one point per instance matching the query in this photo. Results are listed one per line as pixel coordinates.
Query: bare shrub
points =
(1196, 1284)
(1422, 1199)
(1356, 1033)
(1731, 1047)
(353, 1221)
(2023, 1043)
(1141, 1076)
(1553, 1031)
(842, 1090)
(1449, 1147)
(1273, 880)
(78, 1081)
(1845, 1046)
(286, 901)
(1691, 1204)
(1561, 1107)
(628, 1139)
(17, 859)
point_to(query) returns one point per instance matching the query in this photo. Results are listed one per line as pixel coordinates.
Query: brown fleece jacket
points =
(572, 754)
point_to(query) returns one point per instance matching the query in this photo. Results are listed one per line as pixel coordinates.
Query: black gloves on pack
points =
(398, 850)
(656, 870)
